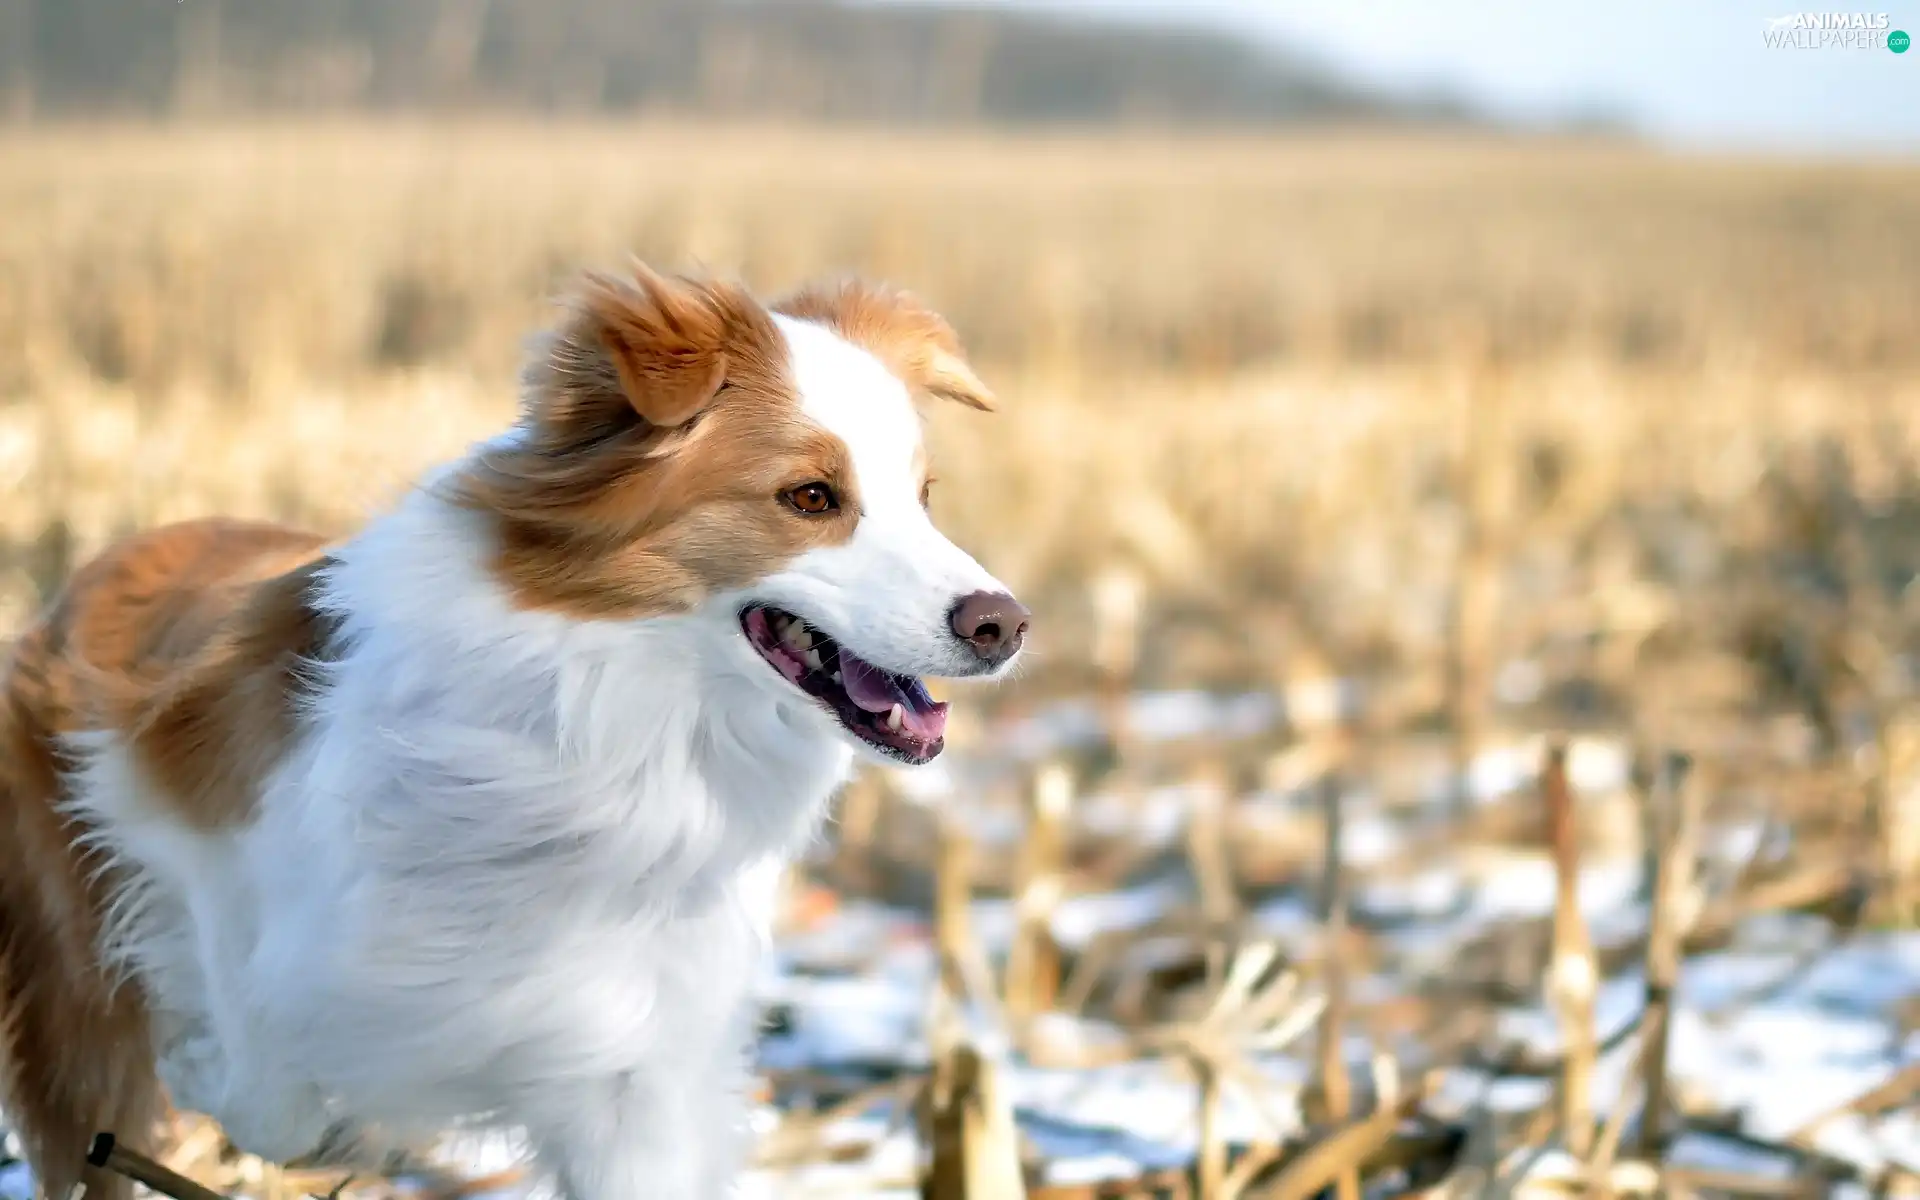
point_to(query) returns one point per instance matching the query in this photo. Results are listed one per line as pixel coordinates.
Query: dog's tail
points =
(76, 1056)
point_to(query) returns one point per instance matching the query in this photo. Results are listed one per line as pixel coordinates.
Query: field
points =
(1464, 568)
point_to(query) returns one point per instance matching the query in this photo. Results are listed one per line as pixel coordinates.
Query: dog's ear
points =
(914, 342)
(664, 337)
(945, 374)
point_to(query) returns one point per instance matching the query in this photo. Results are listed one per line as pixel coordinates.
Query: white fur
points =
(518, 869)
(889, 591)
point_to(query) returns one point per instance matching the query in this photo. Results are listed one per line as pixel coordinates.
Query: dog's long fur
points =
(474, 815)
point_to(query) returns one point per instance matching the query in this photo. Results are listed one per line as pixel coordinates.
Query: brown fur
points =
(186, 640)
(621, 505)
(664, 432)
(915, 342)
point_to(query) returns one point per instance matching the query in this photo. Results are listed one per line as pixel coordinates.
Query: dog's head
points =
(686, 450)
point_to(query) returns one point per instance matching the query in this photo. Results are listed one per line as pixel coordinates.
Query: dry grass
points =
(1240, 364)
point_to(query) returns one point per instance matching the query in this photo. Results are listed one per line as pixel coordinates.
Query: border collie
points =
(474, 817)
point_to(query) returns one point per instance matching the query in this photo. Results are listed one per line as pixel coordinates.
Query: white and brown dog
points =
(472, 816)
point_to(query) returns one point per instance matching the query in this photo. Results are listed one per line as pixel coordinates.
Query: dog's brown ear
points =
(914, 342)
(665, 338)
(947, 376)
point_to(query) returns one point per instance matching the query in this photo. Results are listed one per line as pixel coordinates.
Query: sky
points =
(1696, 74)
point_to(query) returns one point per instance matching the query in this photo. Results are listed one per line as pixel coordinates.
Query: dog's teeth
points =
(837, 679)
(812, 658)
(895, 716)
(780, 625)
(796, 638)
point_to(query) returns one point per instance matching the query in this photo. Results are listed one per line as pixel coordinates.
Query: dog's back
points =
(128, 638)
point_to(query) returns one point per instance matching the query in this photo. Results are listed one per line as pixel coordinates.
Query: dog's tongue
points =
(877, 691)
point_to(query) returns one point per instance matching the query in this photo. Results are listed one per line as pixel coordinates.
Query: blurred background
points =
(1462, 458)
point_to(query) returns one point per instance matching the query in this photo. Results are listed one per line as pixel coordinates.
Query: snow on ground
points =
(1783, 1026)
(16, 1182)
(1824, 1038)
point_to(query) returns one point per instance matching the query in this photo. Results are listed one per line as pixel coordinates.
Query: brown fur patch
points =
(914, 342)
(186, 640)
(75, 1053)
(651, 478)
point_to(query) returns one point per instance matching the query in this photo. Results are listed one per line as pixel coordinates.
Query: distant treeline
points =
(799, 58)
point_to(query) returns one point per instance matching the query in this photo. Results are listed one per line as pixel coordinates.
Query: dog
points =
(474, 817)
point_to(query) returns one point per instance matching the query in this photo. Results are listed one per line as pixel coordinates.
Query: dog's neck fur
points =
(652, 753)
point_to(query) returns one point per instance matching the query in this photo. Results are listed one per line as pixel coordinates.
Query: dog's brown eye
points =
(813, 499)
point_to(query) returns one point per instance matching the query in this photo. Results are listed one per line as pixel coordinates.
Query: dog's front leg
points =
(639, 1137)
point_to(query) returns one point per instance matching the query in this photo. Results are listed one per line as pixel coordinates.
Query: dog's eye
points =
(926, 493)
(813, 499)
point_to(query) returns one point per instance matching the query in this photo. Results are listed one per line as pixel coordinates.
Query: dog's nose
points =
(993, 623)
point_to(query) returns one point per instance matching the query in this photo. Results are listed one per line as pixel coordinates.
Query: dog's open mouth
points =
(892, 713)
